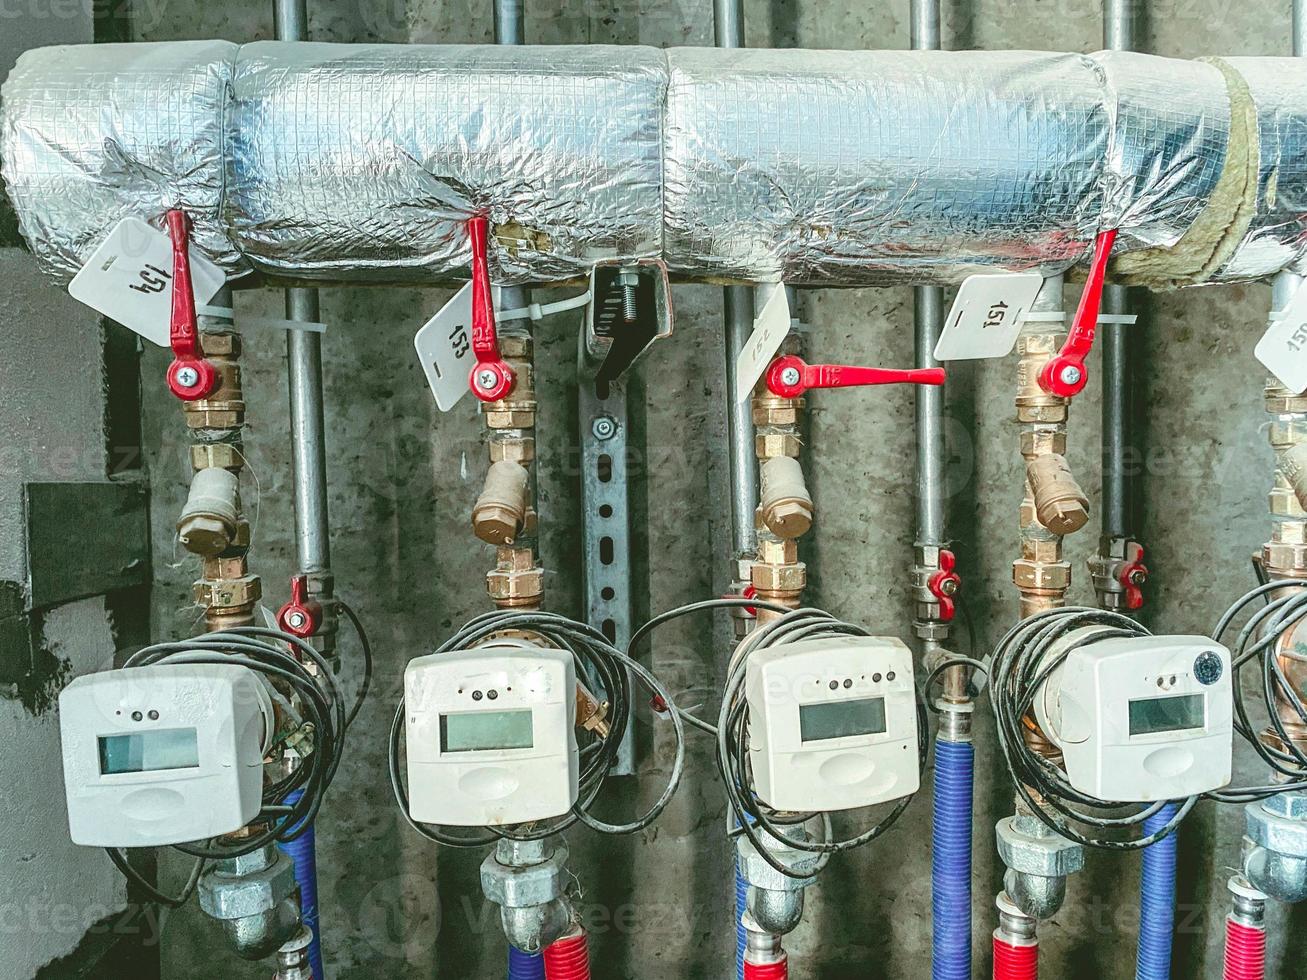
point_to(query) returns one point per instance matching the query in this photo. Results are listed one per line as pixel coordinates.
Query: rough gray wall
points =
(403, 479)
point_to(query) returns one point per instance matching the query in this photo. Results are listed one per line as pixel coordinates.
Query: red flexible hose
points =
(568, 959)
(1245, 951)
(1015, 962)
(767, 971)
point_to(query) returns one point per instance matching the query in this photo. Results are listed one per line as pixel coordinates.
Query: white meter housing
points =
(1140, 719)
(491, 736)
(167, 754)
(832, 723)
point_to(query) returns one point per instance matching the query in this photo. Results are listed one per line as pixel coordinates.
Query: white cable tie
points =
(1127, 319)
(1047, 316)
(538, 312)
(226, 313)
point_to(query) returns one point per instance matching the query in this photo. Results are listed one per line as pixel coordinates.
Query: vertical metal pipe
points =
(728, 23)
(1299, 28)
(304, 370)
(510, 21)
(1119, 24)
(925, 25)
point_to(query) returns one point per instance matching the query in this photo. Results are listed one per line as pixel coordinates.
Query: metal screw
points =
(949, 586)
(1071, 375)
(629, 279)
(188, 377)
(487, 379)
(296, 620)
(603, 427)
(790, 376)
(1138, 577)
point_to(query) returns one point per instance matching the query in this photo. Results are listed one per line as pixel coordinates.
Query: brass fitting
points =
(781, 584)
(518, 410)
(591, 713)
(211, 515)
(508, 446)
(777, 551)
(773, 410)
(1034, 404)
(771, 445)
(228, 592)
(217, 455)
(500, 511)
(786, 504)
(1061, 505)
(516, 581)
(225, 408)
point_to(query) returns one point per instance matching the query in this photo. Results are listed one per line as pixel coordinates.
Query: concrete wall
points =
(403, 479)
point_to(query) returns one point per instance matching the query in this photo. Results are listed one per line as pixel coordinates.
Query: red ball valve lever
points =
(491, 378)
(190, 376)
(1133, 576)
(945, 584)
(1066, 375)
(790, 376)
(301, 616)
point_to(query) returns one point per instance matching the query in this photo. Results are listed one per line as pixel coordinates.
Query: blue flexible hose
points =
(303, 853)
(741, 936)
(525, 966)
(950, 869)
(1157, 901)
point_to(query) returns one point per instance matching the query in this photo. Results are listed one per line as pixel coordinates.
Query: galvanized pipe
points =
(510, 21)
(728, 27)
(1299, 28)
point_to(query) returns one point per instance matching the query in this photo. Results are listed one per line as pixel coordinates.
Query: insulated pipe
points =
(568, 958)
(1157, 900)
(741, 933)
(303, 854)
(1016, 948)
(950, 868)
(1245, 932)
(523, 965)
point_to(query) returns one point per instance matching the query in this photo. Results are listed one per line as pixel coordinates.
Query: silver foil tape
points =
(1277, 234)
(363, 162)
(95, 133)
(874, 167)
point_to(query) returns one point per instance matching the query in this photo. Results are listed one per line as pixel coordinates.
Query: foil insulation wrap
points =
(871, 167)
(1276, 237)
(363, 162)
(1170, 120)
(360, 163)
(93, 134)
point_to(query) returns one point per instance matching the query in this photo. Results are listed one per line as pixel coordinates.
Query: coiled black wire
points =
(602, 666)
(267, 652)
(1018, 668)
(1258, 643)
(732, 734)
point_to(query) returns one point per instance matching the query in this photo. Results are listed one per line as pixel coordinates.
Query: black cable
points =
(733, 747)
(153, 894)
(599, 662)
(1023, 660)
(366, 685)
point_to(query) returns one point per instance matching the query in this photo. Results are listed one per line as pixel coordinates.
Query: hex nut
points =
(770, 444)
(517, 419)
(521, 450)
(1051, 856)
(216, 419)
(218, 455)
(227, 897)
(1279, 825)
(778, 552)
(525, 887)
(759, 874)
(1042, 550)
(505, 586)
(1054, 577)
(220, 344)
(515, 345)
(774, 415)
(228, 593)
(1037, 442)
(1285, 559)
(780, 578)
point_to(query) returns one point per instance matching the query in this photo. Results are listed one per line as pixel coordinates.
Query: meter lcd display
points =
(478, 731)
(840, 719)
(166, 748)
(1152, 716)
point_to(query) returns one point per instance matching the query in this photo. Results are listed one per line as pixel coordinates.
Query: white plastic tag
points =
(769, 330)
(1283, 348)
(986, 316)
(129, 279)
(444, 347)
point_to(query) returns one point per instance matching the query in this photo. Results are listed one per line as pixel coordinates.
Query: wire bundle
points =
(291, 803)
(600, 664)
(732, 733)
(1018, 668)
(1262, 639)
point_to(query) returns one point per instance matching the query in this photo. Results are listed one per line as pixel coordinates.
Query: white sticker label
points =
(769, 330)
(1283, 348)
(444, 347)
(129, 279)
(986, 316)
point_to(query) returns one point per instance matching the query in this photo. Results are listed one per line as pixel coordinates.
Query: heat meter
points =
(1140, 719)
(832, 723)
(165, 754)
(491, 735)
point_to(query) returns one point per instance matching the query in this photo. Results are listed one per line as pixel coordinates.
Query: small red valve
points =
(790, 376)
(945, 584)
(301, 616)
(1134, 575)
(1065, 374)
(491, 378)
(190, 376)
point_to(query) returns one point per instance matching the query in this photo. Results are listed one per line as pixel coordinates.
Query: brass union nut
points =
(516, 419)
(1039, 575)
(216, 455)
(780, 578)
(521, 450)
(228, 593)
(515, 587)
(1289, 532)
(220, 344)
(778, 552)
(515, 345)
(1285, 560)
(770, 444)
(508, 559)
(786, 413)
(1037, 442)
(1044, 551)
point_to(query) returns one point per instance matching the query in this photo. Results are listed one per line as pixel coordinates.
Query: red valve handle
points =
(1066, 375)
(491, 378)
(1133, 577)
(190, 376)
(301, 616)
(945, 584)
(790, 376)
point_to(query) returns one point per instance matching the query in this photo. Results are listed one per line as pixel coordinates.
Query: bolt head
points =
(1138, 577)
(1071, 375)
(296, 620)
(188, 377)
(790, 376)
(487, 379)
(603, 427)
(949, 586)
